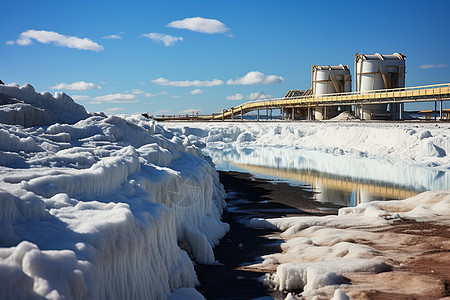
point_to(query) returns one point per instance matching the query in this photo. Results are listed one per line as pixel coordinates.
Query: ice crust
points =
(319, 251)
(95, 207)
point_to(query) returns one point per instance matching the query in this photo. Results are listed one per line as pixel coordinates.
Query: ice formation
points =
(95, 207)
(319, 251)
(422, 144)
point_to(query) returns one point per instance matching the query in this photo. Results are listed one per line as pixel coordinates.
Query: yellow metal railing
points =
(387, 95)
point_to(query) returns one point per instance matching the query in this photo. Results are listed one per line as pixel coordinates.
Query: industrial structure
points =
(329, 80)
(378, 72)
(380, 93)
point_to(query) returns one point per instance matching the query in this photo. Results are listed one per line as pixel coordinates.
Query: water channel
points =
(334, 177)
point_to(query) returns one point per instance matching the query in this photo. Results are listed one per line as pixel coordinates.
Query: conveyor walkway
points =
(437, 92)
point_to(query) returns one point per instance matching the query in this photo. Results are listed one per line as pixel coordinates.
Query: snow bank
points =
(95, 207)
(23, 106)
(424, 144)
(318, 252)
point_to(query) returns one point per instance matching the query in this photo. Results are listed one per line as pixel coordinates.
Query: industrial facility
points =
(379, 93)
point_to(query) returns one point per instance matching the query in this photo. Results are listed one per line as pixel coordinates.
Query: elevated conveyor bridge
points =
(428, 93)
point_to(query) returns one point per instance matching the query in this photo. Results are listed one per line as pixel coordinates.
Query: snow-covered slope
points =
(96, 207)
(418, 143)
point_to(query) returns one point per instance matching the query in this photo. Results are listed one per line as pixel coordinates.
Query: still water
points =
(341, 179)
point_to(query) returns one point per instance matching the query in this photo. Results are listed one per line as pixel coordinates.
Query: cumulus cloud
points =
(112, 37)
(137, 91)
(200, 24)
(76, 86)
(235, 97)
(190, 111)
(252, 96)
(258, 96)
(196, 92)
(113, 110)
(167, 40)
(149, 95)
(115, 98)
(255, 77)
(50, 37)
(80, 97)
(161, 112)
(431, 66)
(187, 83)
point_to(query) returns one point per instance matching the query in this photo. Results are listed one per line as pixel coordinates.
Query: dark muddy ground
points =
(248, 198)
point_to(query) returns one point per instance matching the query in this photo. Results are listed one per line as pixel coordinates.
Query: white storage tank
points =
(377, 72)
(329, 80)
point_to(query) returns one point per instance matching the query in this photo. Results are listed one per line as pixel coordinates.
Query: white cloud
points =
(200, 24)
(258, 96)
(190, 111)
(252, 96)
(187, 83)
(112, 37)
(196, 92)
(175, 96)
(149, 95)
(430, 66)
(161, 112)
(137, 91)
(46, 37)
(255, 77)
(115, 98)
(235, 97)
(113, 110)
(76, 86)
(80, 97)
(167, 40)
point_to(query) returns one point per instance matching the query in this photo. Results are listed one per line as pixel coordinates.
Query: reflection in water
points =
(341, 179)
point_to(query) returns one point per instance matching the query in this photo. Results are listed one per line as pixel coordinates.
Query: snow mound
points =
(344, 116)
(95, 207)
(23, 106)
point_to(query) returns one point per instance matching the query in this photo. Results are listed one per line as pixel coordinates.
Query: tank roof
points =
(328, 67)
(378, 56)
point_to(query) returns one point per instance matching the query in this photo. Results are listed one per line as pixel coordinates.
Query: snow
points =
(412, 143)
(117, 207)
(319, 251)
(95, 207)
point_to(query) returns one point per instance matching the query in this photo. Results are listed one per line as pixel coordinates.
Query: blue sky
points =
(177, 56)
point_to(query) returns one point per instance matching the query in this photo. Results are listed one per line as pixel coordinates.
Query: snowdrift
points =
(424, 144)
(95, 207)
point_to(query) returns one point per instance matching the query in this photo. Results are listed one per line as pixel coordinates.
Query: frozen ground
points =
(95, 207)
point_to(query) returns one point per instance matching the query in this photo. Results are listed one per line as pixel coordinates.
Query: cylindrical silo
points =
(329, 80)
(377, 72)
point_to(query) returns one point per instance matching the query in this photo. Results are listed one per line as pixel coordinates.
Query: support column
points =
(324, 112)
(257, 118)
(271, 116)
(223, 115)
(232, 114)
(309, 113)
(242, 114)
(435, 109)
(267, 114)
(281, 113)
(362, 112)
(402, 111)
(441, 111)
